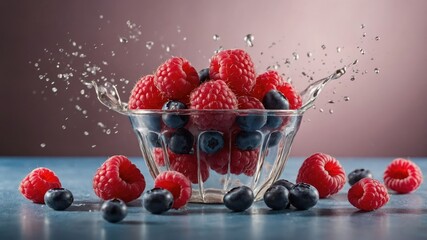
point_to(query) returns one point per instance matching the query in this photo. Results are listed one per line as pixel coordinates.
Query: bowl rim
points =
(297, 112)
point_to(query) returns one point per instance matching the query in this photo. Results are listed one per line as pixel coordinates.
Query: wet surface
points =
(404, 217)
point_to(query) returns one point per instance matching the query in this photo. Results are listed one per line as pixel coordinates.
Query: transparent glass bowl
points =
(250, 155)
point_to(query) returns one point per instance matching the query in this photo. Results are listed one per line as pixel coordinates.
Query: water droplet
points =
(101, 16)
(82, 92)
(355, 62)
(42, 145)
(105, 62)
(338, 49)
(63, 127)
(287, 61)
(362, 51)
(309, 54)
(352, 78)
(168, 49)
(296, 56)
(93, 146)
(377, 38)
(123, 40)
(149, 45)
(364, 35)
(376, 70)
(100, 124)
(78, 108)
(331, 111)
(36, 64)
(346, 98)
(54, 89)
(216, 37)
(184, 39)
(113, 53)
(362, 26)
(249, 40)
(61, 50)
(323, 46)
(218, 50)
(320, 109)
(108, 131)
(331, 101)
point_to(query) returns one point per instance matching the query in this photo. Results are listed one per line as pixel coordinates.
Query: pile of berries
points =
(229, 83)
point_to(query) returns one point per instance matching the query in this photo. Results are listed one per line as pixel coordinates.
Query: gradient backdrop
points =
(385, 116)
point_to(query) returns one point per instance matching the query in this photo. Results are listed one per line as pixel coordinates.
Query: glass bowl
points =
(217, 149)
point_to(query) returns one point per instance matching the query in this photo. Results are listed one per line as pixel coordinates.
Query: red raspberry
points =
(176, 78)
(368, 194)
(243, 161)
(119, 178)
(213, 95)
(217, 161)
(235, 67)
(176, 183)
(324, 172)
(145, 95)
(37, 183)
(295, 100)
(248, 102)
(403, 176)
(187, 164)
(266, 82)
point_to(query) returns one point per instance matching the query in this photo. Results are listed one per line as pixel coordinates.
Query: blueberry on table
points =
(239, 198)
(211, 142)
(277, 197)
(114, 210)
(58, 198)
(204, 75)
(285, 183)
(358, 174)
(174, 120)
(247, 141)
(303, 196)
(157, 200)
(180, 141)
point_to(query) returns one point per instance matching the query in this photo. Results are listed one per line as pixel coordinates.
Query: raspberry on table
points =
(324, 172)
(145, 95)
(119, 178)
(176, 183)
(295, 100)
(368, 194)
(266, 82)
(176, 78)
(214, 95)
(403, 176)
(37, 183)
(188, 165)
(235, 67)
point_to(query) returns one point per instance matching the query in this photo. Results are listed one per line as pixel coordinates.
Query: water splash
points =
(216, 37)
(249, 40)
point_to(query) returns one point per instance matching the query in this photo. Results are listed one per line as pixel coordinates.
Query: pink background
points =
(385, 116)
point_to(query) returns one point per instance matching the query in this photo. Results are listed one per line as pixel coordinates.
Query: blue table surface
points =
(404, 217)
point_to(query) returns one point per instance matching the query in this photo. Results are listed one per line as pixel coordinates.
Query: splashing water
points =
(249, 40)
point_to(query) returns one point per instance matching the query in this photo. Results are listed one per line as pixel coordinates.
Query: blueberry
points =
(277, 197)
(303, 196)
(239, 199)
(247, 141)
(204, 75)
(285, 183)
(114, 210)
(274, 139)
(211, 142)
(273, 121)
(158, 200)
(58, 198)
(274, 99)
(358, 174)
(252, 121)
(180, 141)
(154, 139)
(174, 120)
(152, 122)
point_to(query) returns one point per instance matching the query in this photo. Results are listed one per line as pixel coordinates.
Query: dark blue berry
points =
(58, 198)
(204, 75)
(285, 183)
(247, 141)
(153, 122)
(211, 142)
(274, 99)
(303, 196)
(180, 141)
(358, 174)
(239, 199)
(157, 200)
(174, 119)
(277, 197)
(154, 139)
(114, 210)
(252, 121)
(273, 121)
(274, 139)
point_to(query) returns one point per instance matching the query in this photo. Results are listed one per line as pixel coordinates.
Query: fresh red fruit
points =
(295, 100)
(176, 78)
(235, 67)
(215, 95)
(37, 183)
(159, 157)
(119, 178)
(188, 165)
(266, 82)
(368, 194)
(176, 183)
(145, 95)
(217, 161)
(249, 102)
(243, 161)
(324, 172)
(403, 176)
